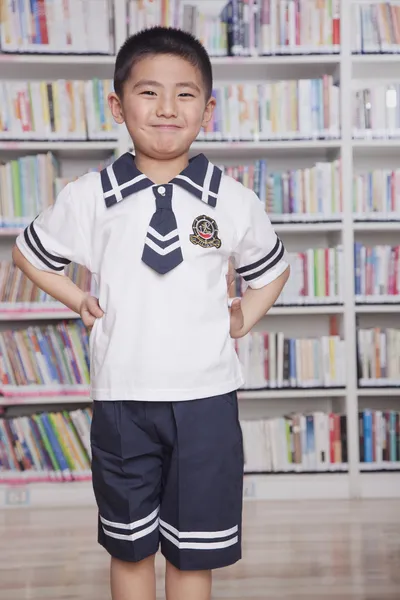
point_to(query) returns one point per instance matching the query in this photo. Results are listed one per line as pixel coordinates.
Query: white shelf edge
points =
(43, 400)
(47, 495)
(380, 485)
(375, 58)
(216, 61)
(287, 393)
(309, 227)
(37, 314)
(322, 309)
(377, 308)
(376, 225)
(378, 392)
(205, 146)
(37, 145)
(376, 143)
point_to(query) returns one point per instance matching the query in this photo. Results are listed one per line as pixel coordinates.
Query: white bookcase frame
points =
(354, 483)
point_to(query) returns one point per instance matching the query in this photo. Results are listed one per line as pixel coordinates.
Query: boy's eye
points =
(148, 92)
(186, 95)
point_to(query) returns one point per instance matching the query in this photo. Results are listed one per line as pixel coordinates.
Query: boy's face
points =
(163, 106)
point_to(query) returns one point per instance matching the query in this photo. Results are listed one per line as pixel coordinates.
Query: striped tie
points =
(162, 249)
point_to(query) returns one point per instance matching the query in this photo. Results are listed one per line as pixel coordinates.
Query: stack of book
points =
(59, 26)
(376, 195)
(297, 443)
(378, 352)
(379, 433)
(23, 294)
(376, 27)
(51, 355)
(28, 185)
(302, 195)
(56, 110)
(247, 27)
(316, 277)
(376, 111)
(377, 273)
(274, 361)
(278, 110)
(52, 446)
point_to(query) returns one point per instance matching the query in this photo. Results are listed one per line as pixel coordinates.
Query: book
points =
(316, 278)
(377, 273)
(378, 350)
(56, 110)
(300, 195)
(58, 27)
(270, 360)
(44, 356)
(47, 446)
(301, 109)
(376, 27)
(247, 27)
(376, 114)
(29, 185)
(376, 195)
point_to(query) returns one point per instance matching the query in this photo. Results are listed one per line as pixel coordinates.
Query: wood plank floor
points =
(303, 550)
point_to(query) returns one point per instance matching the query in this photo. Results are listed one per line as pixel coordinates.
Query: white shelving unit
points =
(346, 68)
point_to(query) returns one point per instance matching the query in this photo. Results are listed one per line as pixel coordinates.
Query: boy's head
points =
(163, 85)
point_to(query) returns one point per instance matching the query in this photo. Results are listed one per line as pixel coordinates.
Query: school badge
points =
(205, 232)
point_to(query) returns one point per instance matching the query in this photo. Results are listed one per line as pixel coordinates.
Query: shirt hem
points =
(167, 395)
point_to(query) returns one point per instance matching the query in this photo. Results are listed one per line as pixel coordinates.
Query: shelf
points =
(38, 313)
(375, 58)
(378, 391)
(378, 308)
(253, 148)
(72, 149)
(369, 147)
(320, 309)
(256, 487)
(43, 394)
(376, 226)
(47, 495)
(316, 227)
(281, 59)
(288, 393)
(380, 485)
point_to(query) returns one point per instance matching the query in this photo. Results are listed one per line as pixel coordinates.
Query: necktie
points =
(162, 249)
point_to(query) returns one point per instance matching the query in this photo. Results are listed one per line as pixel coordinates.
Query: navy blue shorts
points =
(169, 473)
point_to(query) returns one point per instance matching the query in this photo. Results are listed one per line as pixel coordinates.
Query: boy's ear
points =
(116, 108)
(209, 111)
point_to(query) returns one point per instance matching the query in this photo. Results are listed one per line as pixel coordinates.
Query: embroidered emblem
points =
(205, 232)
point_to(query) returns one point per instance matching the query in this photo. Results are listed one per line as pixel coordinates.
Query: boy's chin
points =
(168, 149)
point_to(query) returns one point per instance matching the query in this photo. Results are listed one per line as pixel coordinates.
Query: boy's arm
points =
(247, 311)
(60, 287)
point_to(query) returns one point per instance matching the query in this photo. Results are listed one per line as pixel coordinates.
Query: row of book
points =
(317, 442)
(376, 111)
(56, 110)
(55, 446)
(247, 27)
(52, 446)
(376, 195)
(316, 277)
(310, 194)
(278, 110)
(29, 185)
(272, 360)
(378, 352)
(377, 272)
(376, 27)
(20, 291)
(58, 27)
(45, 355)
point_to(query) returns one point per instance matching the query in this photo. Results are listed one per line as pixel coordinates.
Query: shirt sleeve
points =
(59, 235)
(260, 255)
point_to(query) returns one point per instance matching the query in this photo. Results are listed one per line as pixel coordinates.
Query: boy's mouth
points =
(167, 127)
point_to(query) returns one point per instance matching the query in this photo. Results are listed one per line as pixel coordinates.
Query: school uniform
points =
(167, 445)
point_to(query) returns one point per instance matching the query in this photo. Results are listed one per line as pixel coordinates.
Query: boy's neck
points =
(161, 171)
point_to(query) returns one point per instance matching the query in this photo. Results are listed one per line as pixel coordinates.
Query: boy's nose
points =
(167, 108)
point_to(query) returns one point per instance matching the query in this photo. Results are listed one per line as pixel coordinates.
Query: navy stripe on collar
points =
(122, 178)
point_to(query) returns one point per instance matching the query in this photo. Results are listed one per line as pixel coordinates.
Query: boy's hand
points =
(237, 319)
(90, 310)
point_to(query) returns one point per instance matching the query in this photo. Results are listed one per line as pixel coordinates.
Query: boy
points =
(157, 231)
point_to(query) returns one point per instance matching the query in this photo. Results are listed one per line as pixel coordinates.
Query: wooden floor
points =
(303, 550)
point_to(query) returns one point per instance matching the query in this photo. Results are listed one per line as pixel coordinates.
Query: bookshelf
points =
(350, 71)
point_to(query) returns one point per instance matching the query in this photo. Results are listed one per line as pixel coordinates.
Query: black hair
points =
(162, 40)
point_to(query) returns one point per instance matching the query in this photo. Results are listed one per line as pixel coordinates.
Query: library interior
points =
(307, 116)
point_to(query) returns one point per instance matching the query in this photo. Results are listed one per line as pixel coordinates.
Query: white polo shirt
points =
(162, 337)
